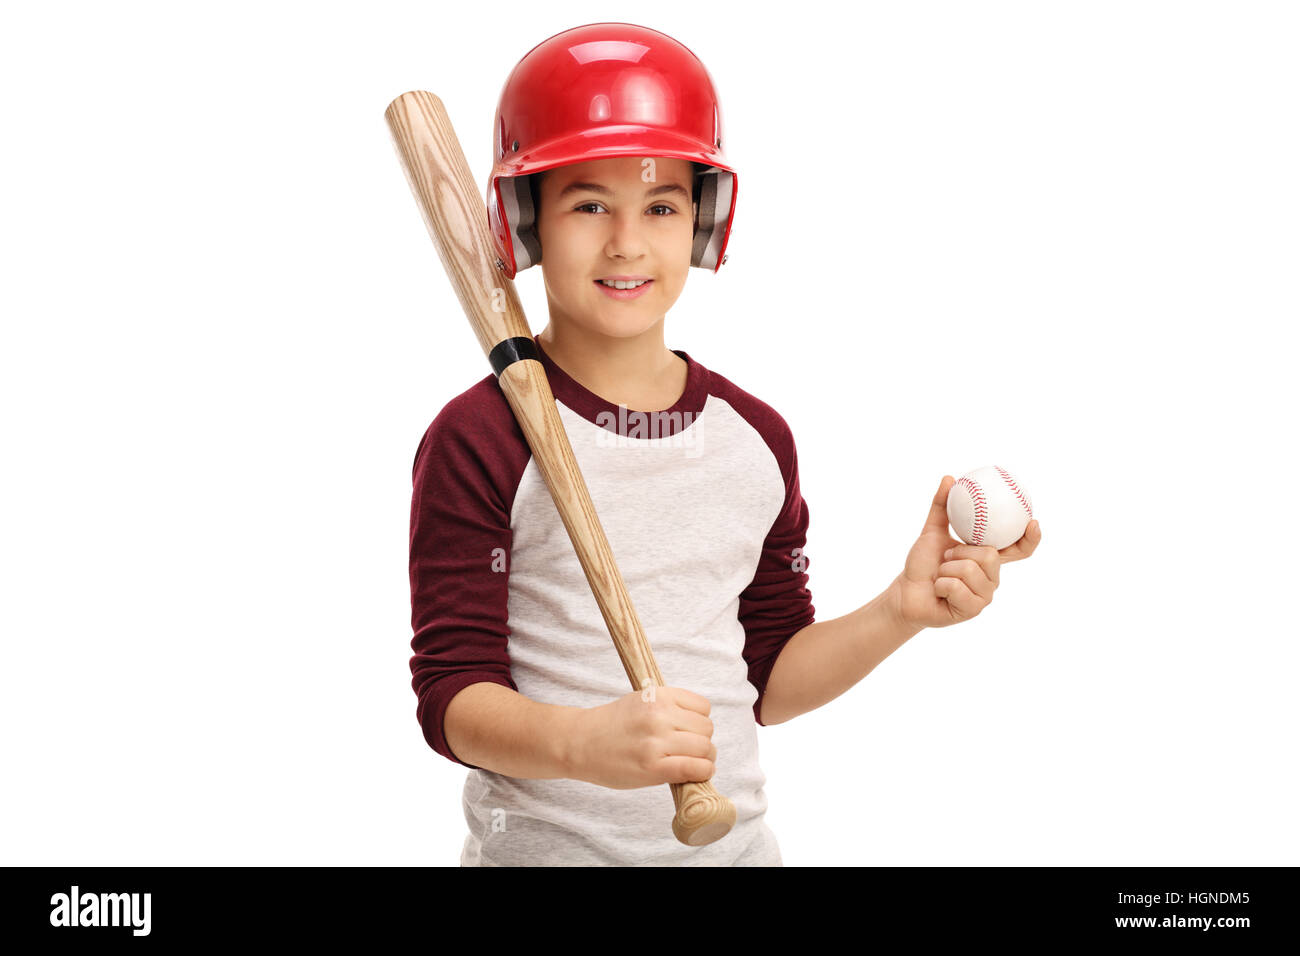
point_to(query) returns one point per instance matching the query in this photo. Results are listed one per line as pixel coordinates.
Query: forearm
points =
(501, 730)
(826, 658)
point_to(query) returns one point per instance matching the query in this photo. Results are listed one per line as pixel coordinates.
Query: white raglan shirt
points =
(701, 506)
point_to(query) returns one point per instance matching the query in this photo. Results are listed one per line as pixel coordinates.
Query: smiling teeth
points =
(616, 284)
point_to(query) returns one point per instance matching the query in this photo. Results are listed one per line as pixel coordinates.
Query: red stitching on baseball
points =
(1015, 488)
(981, 508)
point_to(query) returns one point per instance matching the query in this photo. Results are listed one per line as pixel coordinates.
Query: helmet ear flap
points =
(535, 193)
(714, 192)
(697, 170)
(518, 216)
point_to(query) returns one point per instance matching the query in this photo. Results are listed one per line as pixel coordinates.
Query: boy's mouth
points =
(620, 289)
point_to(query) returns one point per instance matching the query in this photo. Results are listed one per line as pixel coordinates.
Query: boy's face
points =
(601, 219)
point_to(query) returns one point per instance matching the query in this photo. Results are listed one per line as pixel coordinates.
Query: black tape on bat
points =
(510, 351)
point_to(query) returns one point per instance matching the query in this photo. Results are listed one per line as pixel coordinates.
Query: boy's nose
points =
(625, 240)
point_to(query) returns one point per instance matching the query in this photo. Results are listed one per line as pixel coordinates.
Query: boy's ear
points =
(695, 214)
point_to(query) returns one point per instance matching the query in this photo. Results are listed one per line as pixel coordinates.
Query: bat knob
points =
(703, 814)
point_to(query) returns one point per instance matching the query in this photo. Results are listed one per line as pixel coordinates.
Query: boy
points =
(609, 160)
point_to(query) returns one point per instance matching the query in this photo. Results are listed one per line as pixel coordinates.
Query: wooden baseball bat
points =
(456, 218)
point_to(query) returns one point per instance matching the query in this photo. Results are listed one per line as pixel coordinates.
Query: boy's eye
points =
(671, 210)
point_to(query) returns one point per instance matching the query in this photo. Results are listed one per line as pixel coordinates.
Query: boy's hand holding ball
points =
(946, 580)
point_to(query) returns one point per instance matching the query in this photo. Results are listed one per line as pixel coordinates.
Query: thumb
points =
(938, 516)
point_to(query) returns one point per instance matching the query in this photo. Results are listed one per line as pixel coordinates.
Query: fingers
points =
(693, 723)
(1025, 546)
(689, 700)
(680, 743)
(937, 517)
(967, 581)
(690, 750)
(979, 567)
(960, 598)
(690, 758)
(687, 769)
(681, 710)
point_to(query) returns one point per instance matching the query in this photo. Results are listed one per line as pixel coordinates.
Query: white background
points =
(1058, 237)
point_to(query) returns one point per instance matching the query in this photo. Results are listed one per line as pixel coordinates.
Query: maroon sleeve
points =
(777, 602)
(466, 469)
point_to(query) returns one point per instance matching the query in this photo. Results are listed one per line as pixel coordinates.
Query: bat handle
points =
(703, 814)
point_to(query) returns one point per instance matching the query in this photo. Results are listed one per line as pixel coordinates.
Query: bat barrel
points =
(439, 176)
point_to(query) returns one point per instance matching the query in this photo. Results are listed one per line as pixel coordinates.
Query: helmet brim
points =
(609, 142)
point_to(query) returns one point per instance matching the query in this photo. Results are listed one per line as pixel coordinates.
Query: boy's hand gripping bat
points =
(457, 221)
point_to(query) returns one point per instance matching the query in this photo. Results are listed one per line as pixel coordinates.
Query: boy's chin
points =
(620, 326)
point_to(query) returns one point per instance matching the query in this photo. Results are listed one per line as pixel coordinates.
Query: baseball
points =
(989, 507)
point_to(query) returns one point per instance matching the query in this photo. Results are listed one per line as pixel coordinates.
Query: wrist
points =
(571, 742)
(892, 602)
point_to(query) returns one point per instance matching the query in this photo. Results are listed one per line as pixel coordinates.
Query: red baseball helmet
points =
(597, 91)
